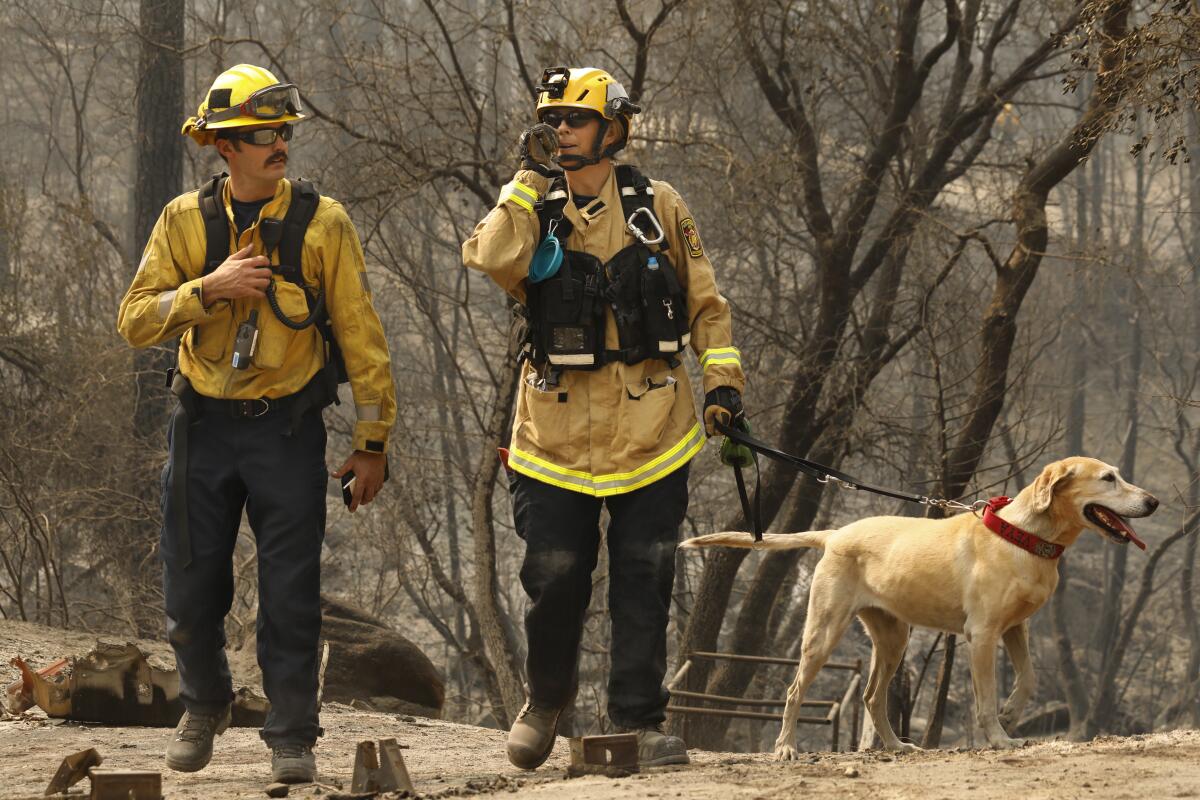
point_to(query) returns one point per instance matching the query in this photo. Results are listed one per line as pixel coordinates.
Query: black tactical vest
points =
(565, 312)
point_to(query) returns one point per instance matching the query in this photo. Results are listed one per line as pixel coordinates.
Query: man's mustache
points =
(278, 157)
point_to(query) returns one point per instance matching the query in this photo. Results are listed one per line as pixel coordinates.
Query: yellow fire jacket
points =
(620, 427)
(165, 301)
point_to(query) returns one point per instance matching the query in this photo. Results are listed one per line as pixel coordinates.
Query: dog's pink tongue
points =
(1128, 531)
(1134, 538)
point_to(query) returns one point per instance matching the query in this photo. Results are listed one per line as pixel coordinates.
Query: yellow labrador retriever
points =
(957, 575)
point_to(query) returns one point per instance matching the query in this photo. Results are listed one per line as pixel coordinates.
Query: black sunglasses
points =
(262, 136)
(574, 119)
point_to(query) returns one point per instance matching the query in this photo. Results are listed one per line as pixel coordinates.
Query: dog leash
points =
(820, 473)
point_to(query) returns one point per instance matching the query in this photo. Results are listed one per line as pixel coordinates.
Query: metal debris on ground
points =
(121, 784)
(73, 769)
(380, 768)
(604, 755)
(115, 683)
(18, 695)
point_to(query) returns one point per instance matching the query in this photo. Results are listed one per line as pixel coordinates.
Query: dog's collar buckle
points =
(1011, 533)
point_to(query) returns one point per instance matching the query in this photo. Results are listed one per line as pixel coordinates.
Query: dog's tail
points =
(770, 541)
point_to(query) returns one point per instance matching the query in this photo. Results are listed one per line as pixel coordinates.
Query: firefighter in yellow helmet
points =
(616, 284)
(263, 281)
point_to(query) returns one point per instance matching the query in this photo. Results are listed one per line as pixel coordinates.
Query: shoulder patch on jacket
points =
(687, 227)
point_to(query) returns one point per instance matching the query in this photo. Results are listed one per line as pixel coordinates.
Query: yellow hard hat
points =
(243, 95)
(591, 89)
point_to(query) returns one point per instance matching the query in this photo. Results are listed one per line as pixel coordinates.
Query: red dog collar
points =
(1026, 541)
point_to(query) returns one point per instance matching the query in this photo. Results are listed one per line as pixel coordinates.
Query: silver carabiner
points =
(637, 232)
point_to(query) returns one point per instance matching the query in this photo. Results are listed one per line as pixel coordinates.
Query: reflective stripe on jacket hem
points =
(614, 483)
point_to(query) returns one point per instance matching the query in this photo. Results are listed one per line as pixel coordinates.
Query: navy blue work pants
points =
(279, 479)
(561, 529)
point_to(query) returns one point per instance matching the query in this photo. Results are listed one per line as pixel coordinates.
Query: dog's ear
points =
(1047, 483)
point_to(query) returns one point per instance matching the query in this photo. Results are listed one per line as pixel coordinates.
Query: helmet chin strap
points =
(576, 163)
(573, 163)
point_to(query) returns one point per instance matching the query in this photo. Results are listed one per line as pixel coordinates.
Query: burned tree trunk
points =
(493, 628)
(1089, 189)
(159, 175)
(1188, 447)
(1073, 683)
(933, 731)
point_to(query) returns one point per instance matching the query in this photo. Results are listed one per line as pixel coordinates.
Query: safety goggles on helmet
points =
(260, 136)
(269, 103)
(574, 119)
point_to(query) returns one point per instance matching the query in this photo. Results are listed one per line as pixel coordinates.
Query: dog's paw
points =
(785, 752)
(904, 747)
(1006, 743)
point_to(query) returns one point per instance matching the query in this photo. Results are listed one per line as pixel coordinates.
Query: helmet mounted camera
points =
(554, 82)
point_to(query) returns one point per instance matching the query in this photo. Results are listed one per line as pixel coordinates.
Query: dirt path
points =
(447, 760)
(450, 760)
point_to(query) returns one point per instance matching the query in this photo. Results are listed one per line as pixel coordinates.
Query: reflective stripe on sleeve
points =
(368, 413)
(165, 301)
(615, 483)
(520, 194)
(720, 355)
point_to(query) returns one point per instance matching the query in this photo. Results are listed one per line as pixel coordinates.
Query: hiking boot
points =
(532, 736)
(657, 749)
(191, 749)
(293, 763)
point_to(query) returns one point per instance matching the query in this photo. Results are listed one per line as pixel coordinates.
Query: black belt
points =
(246, 409)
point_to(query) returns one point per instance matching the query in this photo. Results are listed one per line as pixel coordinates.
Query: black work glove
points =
(723, 403)
(538, 149)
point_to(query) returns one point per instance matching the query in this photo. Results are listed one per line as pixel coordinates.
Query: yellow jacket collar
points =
(609, 195)
(276, 207)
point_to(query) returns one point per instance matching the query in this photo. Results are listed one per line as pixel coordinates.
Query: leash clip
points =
(827, 479)
(946, 505)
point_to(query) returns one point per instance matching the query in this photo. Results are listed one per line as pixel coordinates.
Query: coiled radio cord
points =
(317, 309)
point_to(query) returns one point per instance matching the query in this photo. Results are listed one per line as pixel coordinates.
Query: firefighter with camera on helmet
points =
(263, 281)
(610, 272)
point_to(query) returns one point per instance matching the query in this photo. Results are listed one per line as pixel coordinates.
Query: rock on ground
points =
(369, 662)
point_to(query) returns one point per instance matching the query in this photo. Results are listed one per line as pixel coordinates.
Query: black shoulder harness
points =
(216, 224)
(636, 193)
(301, 210)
